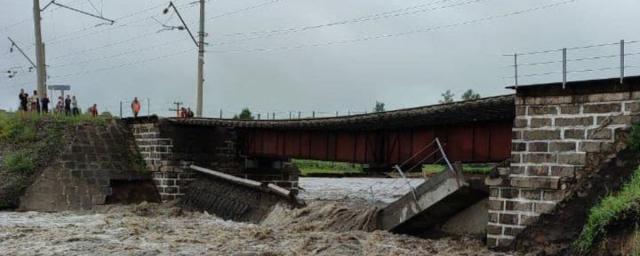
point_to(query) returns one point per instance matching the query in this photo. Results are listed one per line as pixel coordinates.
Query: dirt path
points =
(151, 229)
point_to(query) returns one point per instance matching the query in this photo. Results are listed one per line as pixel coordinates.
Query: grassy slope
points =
(27, 144)
(610, 209)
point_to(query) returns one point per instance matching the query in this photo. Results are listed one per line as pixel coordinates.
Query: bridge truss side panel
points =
(475, 142)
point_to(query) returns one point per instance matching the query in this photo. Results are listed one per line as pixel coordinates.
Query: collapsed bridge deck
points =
(472, 131)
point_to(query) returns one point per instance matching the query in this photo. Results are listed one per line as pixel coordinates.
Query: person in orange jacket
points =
(135, 106)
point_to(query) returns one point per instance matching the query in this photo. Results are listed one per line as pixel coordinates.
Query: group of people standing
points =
(68, 105)
(34, 103)
(185, 113)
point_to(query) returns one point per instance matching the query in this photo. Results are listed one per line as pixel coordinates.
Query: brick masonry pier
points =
(560, 136)
(169, 148)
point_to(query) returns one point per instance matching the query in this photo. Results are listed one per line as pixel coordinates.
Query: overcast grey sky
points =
(310, 55)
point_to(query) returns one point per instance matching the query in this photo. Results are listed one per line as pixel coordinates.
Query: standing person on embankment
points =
(74, 106)
(67, 105)
(44, 103)
(135, 107)
(23, 100)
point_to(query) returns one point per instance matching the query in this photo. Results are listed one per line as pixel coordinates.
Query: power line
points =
(410, 32)
(133, 51)
(373, 17)
(124, 64)
(130, 39)
(248, 8)
(10, 26)
(74, 34)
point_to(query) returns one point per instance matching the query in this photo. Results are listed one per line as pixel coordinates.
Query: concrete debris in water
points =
(153, 229)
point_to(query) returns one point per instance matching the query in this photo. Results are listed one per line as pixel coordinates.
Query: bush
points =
(19, 162)
(607, 211)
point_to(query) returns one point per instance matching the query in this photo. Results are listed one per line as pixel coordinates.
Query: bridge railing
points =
(574, 63)
(434, 148)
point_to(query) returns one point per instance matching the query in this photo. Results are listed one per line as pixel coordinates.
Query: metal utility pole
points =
(41, 64)
(40, 60)
(200, 60)
(200, 44)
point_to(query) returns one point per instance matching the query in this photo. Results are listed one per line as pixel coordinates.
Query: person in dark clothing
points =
(189, 113)
(23, 100)
(36, 102)
(67, 105)
(44, 104)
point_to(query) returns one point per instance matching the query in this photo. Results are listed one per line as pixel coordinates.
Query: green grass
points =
(310, 167)
(430, 169)
(18, 162)
(608, 210)
(29, 142)
(22, 127)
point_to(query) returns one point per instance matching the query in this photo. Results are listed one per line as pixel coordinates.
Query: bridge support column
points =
(169, 149)
(169, 174)
(560, 137)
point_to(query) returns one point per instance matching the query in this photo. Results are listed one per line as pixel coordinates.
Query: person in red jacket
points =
(94, 110)
(135, 106)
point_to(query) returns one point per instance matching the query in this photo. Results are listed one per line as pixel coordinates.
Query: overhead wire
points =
(367, 18)
(124, 64)
(410, 32)
(127, 53)
(269, 31)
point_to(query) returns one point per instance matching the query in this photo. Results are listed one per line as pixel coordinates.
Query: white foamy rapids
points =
(368, 189)
(123, 231)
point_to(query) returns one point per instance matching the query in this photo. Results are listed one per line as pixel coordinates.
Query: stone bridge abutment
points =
(561, 137)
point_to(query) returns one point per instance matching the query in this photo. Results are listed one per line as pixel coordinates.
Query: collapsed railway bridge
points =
(184, 154)
(559, 139)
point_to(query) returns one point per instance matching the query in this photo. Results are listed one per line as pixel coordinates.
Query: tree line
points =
(447, 97)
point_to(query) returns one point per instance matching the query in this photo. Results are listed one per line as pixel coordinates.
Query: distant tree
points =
(245, 114)
(379, 107)
(447, 97)
(470, 95)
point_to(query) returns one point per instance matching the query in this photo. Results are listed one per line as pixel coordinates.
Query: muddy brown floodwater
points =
(337, 221)
(161, 229)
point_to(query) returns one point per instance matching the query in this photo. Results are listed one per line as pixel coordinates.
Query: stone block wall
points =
(558, 138)
(170, 175)
(169, 149)
(92, 157)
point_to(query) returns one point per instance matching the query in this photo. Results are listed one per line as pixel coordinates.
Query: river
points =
(162, 229)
